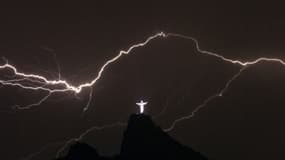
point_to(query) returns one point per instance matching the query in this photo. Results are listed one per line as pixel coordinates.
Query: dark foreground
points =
(142, 140)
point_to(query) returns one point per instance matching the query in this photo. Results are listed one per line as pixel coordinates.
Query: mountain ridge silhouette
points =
(142, 139)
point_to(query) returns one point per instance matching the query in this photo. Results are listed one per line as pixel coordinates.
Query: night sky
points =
(169, 73)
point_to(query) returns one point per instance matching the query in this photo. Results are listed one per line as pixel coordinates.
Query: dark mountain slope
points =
(142, 140)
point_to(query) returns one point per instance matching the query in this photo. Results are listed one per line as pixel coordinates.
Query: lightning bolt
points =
(42, 149)
(79, 138)
(241, 63)
(42, 83)
(66, 86)
(206, 101)
(244, 65)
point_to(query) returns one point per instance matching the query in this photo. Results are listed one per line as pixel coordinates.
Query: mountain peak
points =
(139, 121)
(142, 139)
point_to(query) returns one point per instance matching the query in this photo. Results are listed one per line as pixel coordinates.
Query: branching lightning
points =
(89, 100)
(241, 63)
(66, 86)
(206, 101)
(79, 138)
(42, 149)
(41, 83)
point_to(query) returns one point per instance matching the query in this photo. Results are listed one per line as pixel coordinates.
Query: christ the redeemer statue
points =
(141, 104)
